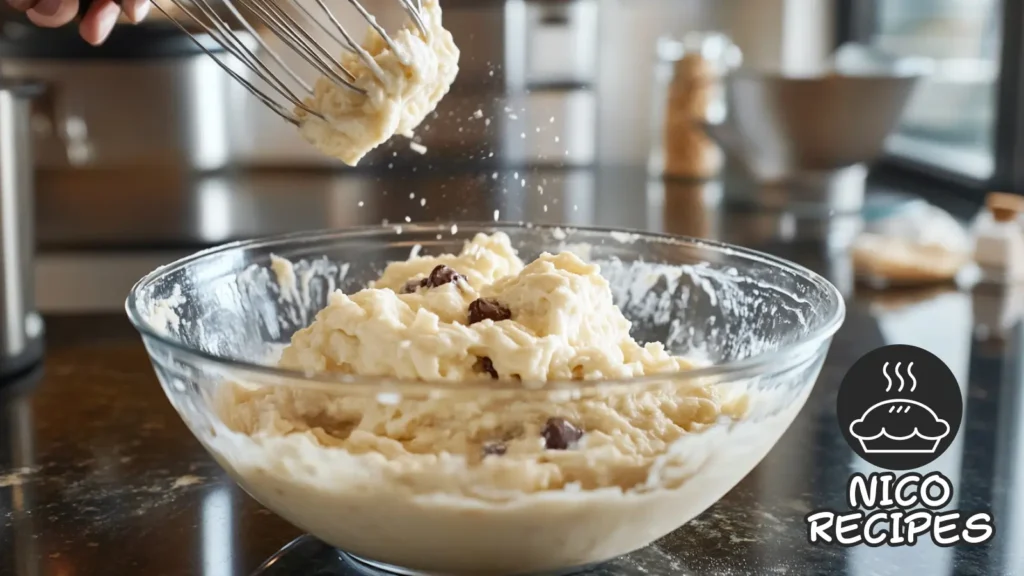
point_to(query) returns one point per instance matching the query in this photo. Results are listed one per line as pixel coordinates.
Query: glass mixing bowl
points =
(759, 328)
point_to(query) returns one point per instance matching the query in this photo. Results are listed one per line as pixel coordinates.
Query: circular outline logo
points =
(899, 407)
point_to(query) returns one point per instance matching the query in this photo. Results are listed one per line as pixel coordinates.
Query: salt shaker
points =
(998, 241)
(688, 93)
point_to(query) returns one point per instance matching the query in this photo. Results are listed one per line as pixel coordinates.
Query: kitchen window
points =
(962, 124)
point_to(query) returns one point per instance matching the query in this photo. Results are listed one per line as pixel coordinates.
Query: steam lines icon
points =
(913, 380)
(899, 425)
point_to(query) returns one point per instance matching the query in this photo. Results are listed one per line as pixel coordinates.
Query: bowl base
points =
(373, 568)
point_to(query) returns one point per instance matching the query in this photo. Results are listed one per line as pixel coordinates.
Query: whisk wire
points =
(299, 40)
(414, 12)
(281, 96)
(222, 32)
(360, 51)
(383, 33)
(274, 106)
(324, 28)
(266, 48)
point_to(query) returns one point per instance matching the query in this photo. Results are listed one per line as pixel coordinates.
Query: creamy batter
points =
(560, 324)
(398, 96)
(491, 470)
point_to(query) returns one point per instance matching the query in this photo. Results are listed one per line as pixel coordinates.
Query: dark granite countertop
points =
(98, 475)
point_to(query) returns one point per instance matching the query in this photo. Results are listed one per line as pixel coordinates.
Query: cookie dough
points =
(441, 318)
(398, 95)
(493, 467)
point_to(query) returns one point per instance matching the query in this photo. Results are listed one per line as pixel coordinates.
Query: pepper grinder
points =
(21, 327)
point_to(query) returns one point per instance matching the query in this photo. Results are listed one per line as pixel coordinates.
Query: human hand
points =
(95, 25)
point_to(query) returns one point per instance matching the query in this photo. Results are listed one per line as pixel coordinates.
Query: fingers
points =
(135, 10)
(22, 5)
(50, 13)
(98, 21)
(96, 25)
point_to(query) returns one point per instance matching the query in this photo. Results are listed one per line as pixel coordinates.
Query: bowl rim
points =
(734, 369)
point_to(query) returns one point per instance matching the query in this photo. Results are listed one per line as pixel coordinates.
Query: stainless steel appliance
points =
(21, 328)
(89, 120)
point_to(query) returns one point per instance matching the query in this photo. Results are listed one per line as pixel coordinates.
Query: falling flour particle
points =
(412, 195)
(398, 229)
(417, 147)
(508, 110)
(497, 214)
(186, 480)
(407, 219)
(487, 121)
(545, 207)
(551, 120)
(557, 139)
(523, 183)
(541, 190)
(494, 176)
(523, 135)
(360, 204)
(423, 201)
(455, 229)
(515, 175)
(513, 117)
(478, 114)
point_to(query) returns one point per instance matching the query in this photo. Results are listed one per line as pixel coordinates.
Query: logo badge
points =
(899, 407)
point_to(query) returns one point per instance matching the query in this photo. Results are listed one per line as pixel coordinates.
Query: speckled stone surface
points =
(98, 475)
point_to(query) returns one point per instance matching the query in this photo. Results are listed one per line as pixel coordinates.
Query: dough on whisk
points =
(353, 124)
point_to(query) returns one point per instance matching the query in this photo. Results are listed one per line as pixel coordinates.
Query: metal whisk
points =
(286, 25)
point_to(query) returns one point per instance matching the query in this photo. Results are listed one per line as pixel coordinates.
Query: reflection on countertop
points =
(99, 476)
(101, 231)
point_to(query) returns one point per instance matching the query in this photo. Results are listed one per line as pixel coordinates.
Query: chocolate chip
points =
(482, 309)
(440, 276)
(559, 434)
(485, 365)
(495, 449)
(413, 285)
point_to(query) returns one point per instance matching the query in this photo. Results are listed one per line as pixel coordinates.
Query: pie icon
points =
(899, 426)
(906, 419)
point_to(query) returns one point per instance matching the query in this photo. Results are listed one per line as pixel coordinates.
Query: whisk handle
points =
(84, 5)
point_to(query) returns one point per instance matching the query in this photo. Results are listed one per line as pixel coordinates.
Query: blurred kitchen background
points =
(144, 150)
